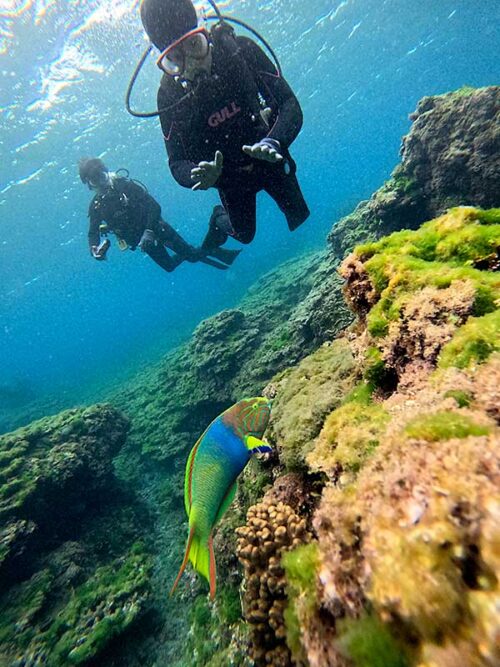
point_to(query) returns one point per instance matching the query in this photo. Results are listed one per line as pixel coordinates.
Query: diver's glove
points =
(99, 251)
(206, 174)
(266, 149)
(148, 240)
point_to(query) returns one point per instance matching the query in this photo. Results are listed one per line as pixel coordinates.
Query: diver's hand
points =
(266, 149)
(99, 251)
(96, 254)
(148, 240)
(206, 174)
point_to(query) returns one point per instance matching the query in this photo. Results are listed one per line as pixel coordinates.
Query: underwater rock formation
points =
(451, 156)
(386, 458)
(304, 396)
(233, 354)
(68, 456)
(404, 567)
(69, 584)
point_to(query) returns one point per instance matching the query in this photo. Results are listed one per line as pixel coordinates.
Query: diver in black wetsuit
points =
(227, 116)
(134, 216)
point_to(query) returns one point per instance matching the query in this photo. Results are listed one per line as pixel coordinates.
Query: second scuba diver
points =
(124, 207)
(228, 116)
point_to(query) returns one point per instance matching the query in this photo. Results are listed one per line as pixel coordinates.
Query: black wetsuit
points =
(221, 111)
(128, 210)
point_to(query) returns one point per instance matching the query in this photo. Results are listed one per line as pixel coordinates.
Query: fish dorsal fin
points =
(226, 501)
(254, 445)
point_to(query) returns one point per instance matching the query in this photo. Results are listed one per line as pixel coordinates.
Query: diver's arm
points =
(289, 118)
(94, 235)
(175, 143)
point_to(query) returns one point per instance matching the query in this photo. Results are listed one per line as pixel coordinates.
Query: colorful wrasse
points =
(212, 469)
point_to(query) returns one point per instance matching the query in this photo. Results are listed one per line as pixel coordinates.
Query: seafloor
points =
(371, 536)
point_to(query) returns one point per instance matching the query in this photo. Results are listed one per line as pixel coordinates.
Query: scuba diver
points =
(227, 114)
(124, 207)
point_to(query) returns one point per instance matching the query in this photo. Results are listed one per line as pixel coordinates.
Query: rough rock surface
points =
(408, 527)
(74, 575)
(66, 457)
(451, 156)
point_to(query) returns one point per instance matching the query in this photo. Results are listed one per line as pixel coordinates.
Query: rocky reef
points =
(369, 538)
(74, 571)
(403, 565)
(451, 156)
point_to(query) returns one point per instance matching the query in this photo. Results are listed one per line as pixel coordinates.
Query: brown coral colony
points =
(271, 530)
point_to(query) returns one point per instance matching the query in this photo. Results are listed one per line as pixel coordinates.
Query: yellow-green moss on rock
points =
(305, 394)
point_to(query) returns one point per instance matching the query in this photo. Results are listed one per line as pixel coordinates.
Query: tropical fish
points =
(212, 469)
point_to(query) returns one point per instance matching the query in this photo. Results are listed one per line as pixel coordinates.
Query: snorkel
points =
(222, 20)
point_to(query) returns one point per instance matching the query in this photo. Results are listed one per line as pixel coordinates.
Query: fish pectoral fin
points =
(254, 445)
(226, 501)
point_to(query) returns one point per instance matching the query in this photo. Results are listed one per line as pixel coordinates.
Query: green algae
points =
(212, 626)
(443, 426)
(463, 398)
(350, 435)
(473, 343)
(306, 394)
(438, 254)
(369, 643)
(36, 621)
(301, 566)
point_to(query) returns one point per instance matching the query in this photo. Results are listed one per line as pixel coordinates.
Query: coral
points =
(304, 395)
(270, 531)
(450, 157)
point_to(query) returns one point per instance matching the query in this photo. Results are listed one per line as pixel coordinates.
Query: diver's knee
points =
(245, 237)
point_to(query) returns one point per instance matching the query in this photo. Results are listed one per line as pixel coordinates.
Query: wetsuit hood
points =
(90, 169)
(165, 21)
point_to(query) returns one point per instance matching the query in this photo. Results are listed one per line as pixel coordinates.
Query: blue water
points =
(69, 323)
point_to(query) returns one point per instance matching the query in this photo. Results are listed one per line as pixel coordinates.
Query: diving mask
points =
(192, 46)
(99, 179)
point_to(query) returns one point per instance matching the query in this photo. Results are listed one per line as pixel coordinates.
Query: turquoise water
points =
(68, 324)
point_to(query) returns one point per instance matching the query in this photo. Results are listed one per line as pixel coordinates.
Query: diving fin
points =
(224, 255)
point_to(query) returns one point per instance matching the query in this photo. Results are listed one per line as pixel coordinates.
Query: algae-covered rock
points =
(39, 627)
(451, 156)
(68, 457)
(416, 290)
(409, 525)
(74, 575)
(304, 395)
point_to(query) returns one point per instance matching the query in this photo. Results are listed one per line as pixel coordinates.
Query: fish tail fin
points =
(203, 559)
(187, 557)
(200, 556)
